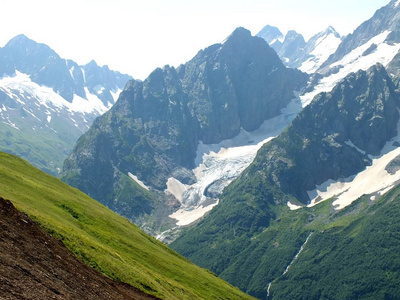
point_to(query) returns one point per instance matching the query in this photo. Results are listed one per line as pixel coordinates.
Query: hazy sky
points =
(135, 37)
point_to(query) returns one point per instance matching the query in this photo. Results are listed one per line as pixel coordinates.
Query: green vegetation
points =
(355, 257)
(105, 240)
(252, 236)
(46, 150)
(352, 254)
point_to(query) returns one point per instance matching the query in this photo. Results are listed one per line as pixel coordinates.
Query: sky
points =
(135, 37)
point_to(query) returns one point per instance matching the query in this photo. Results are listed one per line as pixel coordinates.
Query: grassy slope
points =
(44, 149)
(103, 239)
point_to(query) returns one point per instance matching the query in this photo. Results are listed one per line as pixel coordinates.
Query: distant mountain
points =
(374, 41)
(318, 49)
(270, 34)
(295, 52)
(154, 130)
(291, 48)
(47, 102)
(333, 149)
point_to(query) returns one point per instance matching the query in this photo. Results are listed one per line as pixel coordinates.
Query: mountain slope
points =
(318, 49)
(385, 20)
(352, 260)
(104, 240)
(248, 234)
(47, 102)
(155, 128)
(34, 265)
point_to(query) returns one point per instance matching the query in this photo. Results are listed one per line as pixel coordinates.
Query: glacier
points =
(217, 165)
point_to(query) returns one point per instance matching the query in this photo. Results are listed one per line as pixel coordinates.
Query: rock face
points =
(34, 265)
(47, 102)
(291, 48)
(154, 129)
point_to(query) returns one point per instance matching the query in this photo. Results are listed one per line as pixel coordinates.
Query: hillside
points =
(34, 265)
(104, 240)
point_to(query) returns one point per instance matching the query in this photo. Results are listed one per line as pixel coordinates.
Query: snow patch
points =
(373, 180)
(89, 105)
(186, 217)
(293, 206)
(8, 122)
(324, 47)
(176, 188)
(31, 114)
(139, 182)
(71, 70)
(47, 97)
(350, 143)
(115, 95)
(98, 89)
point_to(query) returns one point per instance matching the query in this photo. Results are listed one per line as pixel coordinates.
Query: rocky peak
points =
(331, 30)
(270, 34)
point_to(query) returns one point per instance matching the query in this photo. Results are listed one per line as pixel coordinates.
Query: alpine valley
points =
(271, 161)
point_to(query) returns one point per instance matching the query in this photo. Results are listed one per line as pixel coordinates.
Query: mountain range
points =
(295, 52)
(47, 102)
(270, 160)
(154, 129)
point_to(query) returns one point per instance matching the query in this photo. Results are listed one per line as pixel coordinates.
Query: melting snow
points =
(373, 180)
(186, 217)
(138, 181)
(350, 143)
(115, 95)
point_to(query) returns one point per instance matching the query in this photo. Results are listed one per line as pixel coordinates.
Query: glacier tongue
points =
(219, 164)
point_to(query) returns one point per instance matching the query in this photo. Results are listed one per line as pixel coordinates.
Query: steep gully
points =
(291, 263)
